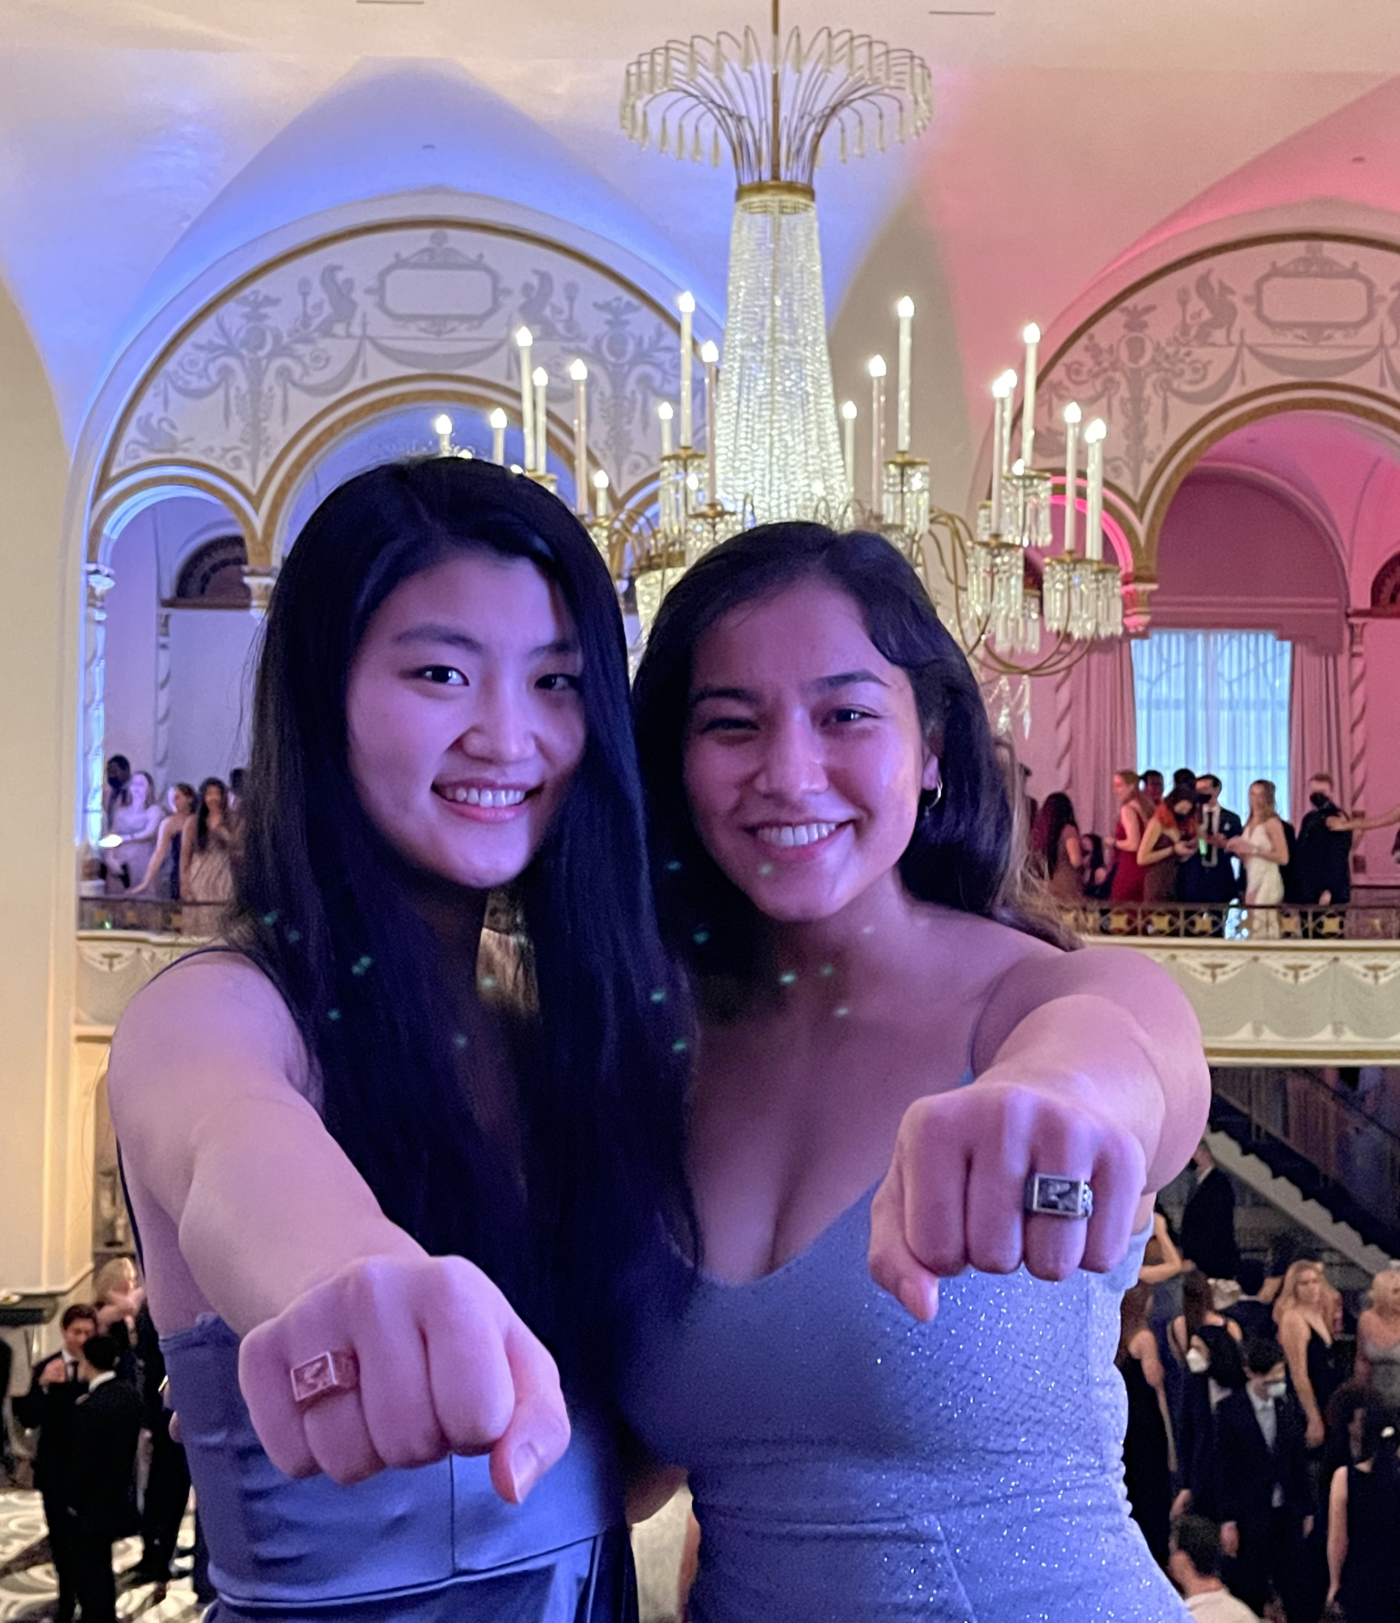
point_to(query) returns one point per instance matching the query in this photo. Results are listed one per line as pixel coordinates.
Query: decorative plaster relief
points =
(264, 367)
(1284, 1000)
(1239, 331)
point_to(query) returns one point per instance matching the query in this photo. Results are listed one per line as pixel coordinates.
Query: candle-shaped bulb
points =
(848, 411)
(540, 378)
(905, 308)
(876, 367)
(600, 494)
(578, 371)
(665, 411)
(1031, 336)
(1018, 467)
(1004, 384)
(600, 480)
(1072, 416)
(524, 337)
(1030, 333)
(709, 352)
(1073, 413)
(442, 426)
(498, 419)
(1096, 430)
(686, 304)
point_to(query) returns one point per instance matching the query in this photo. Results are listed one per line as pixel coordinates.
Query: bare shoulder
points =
(213, 1020)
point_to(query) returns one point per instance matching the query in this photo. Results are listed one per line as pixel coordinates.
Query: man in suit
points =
(102, 1498)
(54, 1389)
(1261, 1485)
(1210, 876)
(1208, 1222)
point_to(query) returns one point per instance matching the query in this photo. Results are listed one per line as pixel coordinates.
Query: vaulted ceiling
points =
(141, 140)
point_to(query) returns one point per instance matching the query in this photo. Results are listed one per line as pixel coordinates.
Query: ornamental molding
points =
(1218, 339)
(274, 369)
(1289, 1002)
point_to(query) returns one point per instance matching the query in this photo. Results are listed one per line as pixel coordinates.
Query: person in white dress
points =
(1263, 849)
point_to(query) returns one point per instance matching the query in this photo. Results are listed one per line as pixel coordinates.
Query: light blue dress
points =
(432, 1545)
(852, 1465)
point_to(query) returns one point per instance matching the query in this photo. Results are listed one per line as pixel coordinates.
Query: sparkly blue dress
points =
(851, 1465)
(432, 1545)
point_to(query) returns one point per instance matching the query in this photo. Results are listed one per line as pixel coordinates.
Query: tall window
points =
(1216, 701)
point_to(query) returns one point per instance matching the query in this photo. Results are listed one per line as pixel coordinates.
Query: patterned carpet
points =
(27, 1585)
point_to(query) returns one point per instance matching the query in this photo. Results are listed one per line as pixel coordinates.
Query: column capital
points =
(260, 583)
(99, 580)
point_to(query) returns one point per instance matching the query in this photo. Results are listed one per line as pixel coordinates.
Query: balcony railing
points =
(1194, 921)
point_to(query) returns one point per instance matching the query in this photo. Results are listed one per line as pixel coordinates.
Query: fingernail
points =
(524, 1469)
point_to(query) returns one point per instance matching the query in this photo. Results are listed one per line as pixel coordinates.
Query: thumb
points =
(538, 1432)
(893, 1266)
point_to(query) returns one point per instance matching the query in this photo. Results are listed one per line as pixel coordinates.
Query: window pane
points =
(1216, 701)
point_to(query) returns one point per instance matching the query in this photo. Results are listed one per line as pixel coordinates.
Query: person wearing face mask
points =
(1261, 1486)
(1209, 875)
(1323, 859)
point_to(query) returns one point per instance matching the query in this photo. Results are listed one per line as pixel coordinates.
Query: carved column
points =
(1355, 788)
(160, 762)
(260, 583)
(99, 581)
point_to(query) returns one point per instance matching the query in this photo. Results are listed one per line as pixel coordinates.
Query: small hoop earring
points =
(935, 795)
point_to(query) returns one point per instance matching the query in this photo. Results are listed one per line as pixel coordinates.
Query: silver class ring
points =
(1050, 1195)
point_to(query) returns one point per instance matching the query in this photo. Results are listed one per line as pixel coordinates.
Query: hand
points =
(1184, 848)
(445, 1367)
(55, 1372)
(953, 1197)
(1316, 1431)
(1331, 1595)
(1181, 1504)
(1308, 1525)
(1230, 1539)
(1325, 900)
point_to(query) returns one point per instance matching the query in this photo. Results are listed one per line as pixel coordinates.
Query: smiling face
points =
(804, 756)
(465, 717)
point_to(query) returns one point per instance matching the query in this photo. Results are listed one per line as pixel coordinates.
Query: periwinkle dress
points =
(431, 1545)
(852, 1465)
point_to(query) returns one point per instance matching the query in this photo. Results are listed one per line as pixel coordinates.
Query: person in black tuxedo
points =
(102, 1497)
(1262, 1488)
(1208, 1222)
(168, 1486)
(54, 1389)
(1210, 876)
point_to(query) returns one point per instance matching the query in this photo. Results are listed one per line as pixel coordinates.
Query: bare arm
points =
(1153, 1273)
(1359, 824)
(1074, 848)
(1124, 1036)
(1336, 1531)
(208, 1086)
(246, 1200)
(1143, 1347)
(1293, 1338)
(1278, 842)
(1088, 1064)
(1151, 849)
(168, 830)
(1361, 1369)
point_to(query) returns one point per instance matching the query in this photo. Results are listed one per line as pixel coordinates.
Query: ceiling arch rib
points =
(1181, 358)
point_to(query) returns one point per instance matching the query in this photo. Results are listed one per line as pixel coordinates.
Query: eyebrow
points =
(823, 684)
(453, 637)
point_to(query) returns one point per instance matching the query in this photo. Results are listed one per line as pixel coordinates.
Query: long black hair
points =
(201, 813)
(1051, 821)
(323, 904)
(961, 853)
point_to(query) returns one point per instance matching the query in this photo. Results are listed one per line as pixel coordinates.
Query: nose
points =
(793, 763)
(501, 729)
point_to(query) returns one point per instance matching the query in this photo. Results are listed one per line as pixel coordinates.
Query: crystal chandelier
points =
(776, 106)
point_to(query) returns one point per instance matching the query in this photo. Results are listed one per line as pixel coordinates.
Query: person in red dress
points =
(1133, 813)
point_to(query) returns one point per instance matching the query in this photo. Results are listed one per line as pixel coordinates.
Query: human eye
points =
(731, 724)
(847, 714)
(560, 682)
(440, 676)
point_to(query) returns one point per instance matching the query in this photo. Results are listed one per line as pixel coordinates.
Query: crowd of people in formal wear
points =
(1181, 845)
(95, 1408)
(178, 847)
(1261, 1451)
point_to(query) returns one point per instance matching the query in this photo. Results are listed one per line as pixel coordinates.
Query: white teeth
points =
(788, 834)
(484, 797)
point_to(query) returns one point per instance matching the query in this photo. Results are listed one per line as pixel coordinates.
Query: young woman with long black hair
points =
(832, 847)
(394, 1209)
